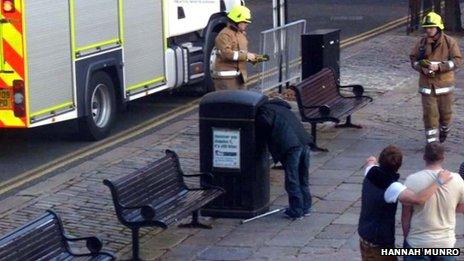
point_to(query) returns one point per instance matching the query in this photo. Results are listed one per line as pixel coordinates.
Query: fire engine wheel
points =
(101, 108)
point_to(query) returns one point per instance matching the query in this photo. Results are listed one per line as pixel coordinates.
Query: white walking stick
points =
(262, 215)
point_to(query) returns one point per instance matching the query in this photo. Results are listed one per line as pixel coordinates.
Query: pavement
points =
(380, 64)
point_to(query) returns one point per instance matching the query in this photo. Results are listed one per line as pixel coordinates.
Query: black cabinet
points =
(321, 49)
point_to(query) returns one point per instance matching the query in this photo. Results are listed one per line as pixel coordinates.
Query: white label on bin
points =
(226, 148)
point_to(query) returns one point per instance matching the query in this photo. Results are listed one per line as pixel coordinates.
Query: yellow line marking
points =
(54, 108)
(95, 147)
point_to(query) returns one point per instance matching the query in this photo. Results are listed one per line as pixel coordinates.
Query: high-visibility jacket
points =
(444, 50)
(231, 54)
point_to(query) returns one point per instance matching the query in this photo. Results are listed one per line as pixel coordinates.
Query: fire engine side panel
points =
(96, 22)
(192, 8)
(143, 43)
(48, 55)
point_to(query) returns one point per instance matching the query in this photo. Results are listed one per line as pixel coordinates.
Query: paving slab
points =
(348, 195)
(333, 244)
(184, 252)
(246, 239)
(226, 253)
(290, 238)
(337, 231)
(332, 206)
(276, 253)
(347, 218)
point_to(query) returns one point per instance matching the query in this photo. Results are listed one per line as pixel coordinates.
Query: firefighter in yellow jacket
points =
(230, 69)
(435, 56)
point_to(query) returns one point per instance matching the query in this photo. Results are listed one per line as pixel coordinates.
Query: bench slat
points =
(188, 205)
(34, 238)
(150, 168)
(152, 193)
(40, 239)
(139, 179)
(322, 89)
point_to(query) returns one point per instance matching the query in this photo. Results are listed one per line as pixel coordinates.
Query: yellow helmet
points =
(240, 14)
(432, 19)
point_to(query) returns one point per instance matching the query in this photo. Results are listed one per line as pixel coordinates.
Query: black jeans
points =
(296, 166)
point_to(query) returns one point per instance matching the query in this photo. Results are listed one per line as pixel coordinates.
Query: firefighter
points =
(435, 56)
(230, 68)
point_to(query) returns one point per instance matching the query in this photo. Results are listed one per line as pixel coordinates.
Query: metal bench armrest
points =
(324, 110)
(130, 207)
(109, 255)
(200, 174)
(311, 107)
(203, 186)
(146, 211)
(357, 97)
(93, 244)
(358, 90)
(206, 187)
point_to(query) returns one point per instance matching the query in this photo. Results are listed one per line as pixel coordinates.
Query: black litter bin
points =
(233, 151)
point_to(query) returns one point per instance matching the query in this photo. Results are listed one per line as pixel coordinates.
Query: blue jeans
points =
(296, 166)
(426, 258)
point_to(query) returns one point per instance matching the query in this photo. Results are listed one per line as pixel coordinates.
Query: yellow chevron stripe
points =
(9, 77)
(8, 118)
(15, 40)
(13, 37)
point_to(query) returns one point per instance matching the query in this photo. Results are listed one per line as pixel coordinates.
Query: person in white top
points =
(432, 225)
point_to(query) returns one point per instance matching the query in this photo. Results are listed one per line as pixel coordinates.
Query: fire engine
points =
(76, 59)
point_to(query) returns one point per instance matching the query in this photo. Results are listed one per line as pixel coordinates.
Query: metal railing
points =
(283, 45)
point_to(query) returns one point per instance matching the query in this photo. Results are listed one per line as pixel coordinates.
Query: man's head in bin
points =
(288, 143)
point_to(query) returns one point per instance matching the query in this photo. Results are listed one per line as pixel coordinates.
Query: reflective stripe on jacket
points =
(445, 50)
(231, 57)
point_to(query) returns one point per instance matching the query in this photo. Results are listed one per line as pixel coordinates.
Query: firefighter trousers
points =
(235, 83)
(437, 114)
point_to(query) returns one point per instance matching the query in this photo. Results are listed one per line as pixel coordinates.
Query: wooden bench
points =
(44, 239)
(319, 100)
(157, 196)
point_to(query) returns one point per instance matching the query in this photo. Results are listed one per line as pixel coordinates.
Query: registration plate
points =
(5, 99)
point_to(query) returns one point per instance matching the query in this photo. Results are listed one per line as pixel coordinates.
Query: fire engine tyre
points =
(208, 83)
(101, 108)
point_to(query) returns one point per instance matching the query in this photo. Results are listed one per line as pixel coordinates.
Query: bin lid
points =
(231, 104)
(324, 31)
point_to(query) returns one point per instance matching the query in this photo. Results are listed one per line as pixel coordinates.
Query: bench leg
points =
(195, 223)
(314, 133)
(135, 244)
(348, 124)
